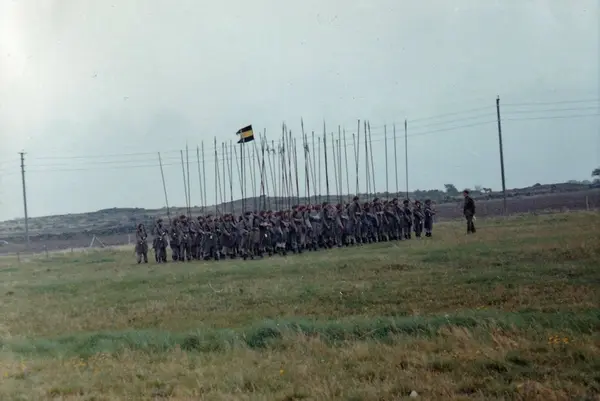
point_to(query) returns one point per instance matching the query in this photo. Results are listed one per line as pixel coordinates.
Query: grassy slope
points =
(512, 313)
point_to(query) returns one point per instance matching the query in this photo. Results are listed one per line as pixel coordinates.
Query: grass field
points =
(511, 313)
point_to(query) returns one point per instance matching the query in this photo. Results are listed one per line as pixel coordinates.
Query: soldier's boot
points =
(145, 258)
(138, 258)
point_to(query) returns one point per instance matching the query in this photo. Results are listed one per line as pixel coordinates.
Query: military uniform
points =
(418, 217)
(141, 244)
(469, 212)
(159, 242)
(428, 220)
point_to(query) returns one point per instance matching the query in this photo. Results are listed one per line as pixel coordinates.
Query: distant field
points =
(81, 227)
(511, 313)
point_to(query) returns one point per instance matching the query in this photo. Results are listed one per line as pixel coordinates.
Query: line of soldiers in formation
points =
(302, 228)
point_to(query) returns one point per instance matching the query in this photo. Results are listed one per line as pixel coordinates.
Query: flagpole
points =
(367, 170)
(372, 166)
(184, 182)
(216, 175)
(200, 178)
(387, 188)
(346, 162)
(314, 173)
(223, 154)
(189, 190)
(230, 165)
(204, 180)
(334, 158)
(325, 154)
(357, 158)
(242, 176)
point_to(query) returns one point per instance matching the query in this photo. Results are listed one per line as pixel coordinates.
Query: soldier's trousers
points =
(428, 224)
(210, 247)
(185, 251)
(406, 229)
(175, 250)
(418, 227)
(470, 224)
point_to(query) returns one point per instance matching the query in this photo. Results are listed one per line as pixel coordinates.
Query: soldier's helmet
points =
(417, 202)
(159, 221)
(376, 200)
(405, 201)
(182, 217)
(355, 199)
(140, 226)
(428, 201)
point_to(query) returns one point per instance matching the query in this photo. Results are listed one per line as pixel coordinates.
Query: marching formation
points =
(303, 228)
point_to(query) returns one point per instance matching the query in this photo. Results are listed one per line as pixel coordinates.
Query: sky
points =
(91, 91)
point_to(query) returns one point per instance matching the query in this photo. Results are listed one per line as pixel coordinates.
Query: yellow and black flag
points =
(246, 134)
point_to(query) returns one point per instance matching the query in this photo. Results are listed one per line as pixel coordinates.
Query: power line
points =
(552, 117)
(102, 162)
(594, 100)
(103, 156)
(554, 110)
(417, 134)
(128, 164)
(451, 114)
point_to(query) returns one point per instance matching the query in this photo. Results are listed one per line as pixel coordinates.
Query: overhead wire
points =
(152, 162)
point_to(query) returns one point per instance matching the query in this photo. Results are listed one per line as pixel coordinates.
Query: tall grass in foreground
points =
(511, 313)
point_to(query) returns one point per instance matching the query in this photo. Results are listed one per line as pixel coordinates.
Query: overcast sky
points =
(84, 83)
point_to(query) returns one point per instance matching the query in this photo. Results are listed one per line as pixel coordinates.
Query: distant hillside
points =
(116, 221)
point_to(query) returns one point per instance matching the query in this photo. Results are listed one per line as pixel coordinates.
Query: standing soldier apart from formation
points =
(469, 212)
(141, 244)
(428, 221)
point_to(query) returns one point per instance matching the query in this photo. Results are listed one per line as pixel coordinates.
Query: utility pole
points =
(501, 153)
(25, 200)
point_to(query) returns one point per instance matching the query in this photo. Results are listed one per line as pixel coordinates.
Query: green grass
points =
(511, 313)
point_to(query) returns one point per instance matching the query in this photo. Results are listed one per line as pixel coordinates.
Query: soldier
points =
(242, 234)
(418, 219)
(380, 220)
(327, 225)
(210, 242)
(227, 236)
(338, 227)
(398, 219)
(280, 233)
(159, 242)
(408, 221)
(200, 236)
(354, 212)
(469, 212)
(174, 239)
(184, 236)
(141, 244)
(428, 222)
(315, 224)
(264, 233)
